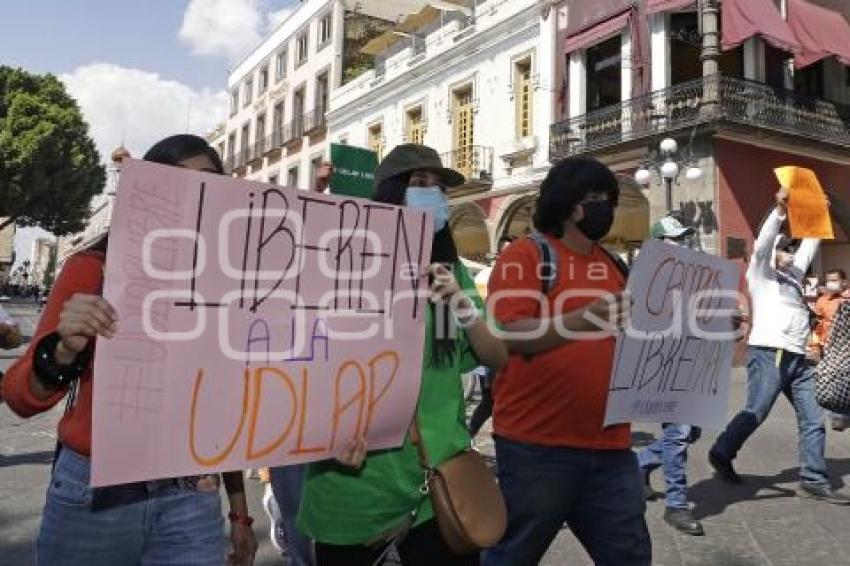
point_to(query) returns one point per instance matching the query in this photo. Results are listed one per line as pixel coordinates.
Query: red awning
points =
(655, 6)
(821, 32)
(597, 32)
(743, 19)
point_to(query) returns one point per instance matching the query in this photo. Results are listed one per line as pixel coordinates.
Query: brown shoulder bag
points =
(468, 504)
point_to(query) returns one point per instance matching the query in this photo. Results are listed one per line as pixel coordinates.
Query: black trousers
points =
(423, 546)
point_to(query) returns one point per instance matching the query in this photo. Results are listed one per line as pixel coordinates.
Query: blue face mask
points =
(431, 199)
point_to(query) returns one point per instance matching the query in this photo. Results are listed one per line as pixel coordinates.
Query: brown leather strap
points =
(416, 440)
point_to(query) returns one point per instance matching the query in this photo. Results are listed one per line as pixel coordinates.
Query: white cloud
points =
(278, 16)
(222, 27)
(230, 28)
(139, 108)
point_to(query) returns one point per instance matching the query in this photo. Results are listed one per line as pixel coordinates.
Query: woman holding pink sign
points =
(164, 522)
(356, 509)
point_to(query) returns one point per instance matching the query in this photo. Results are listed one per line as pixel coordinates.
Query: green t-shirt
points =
(346, 507)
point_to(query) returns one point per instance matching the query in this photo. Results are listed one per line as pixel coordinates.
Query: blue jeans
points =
(769, 373)
(671, 452)
(287, 482)
(156, 523)
(597, 493)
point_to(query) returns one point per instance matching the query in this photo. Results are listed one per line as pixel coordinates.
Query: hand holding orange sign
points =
(808, 207)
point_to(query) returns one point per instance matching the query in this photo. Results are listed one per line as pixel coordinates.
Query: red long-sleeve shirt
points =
(82, 273)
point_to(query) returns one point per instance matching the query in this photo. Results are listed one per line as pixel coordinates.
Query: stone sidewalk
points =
(760, 523)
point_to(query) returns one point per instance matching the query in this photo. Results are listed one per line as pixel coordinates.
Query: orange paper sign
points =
(808, 208)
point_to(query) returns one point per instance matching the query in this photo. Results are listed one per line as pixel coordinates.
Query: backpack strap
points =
(548, 262)
(618, 261)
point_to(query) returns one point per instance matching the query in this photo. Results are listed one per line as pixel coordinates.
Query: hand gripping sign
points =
(674, 362)
(258, 325)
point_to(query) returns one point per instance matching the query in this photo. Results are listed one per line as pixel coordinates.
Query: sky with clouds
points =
(140, 69)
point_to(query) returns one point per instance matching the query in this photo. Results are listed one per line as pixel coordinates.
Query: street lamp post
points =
(664, 161)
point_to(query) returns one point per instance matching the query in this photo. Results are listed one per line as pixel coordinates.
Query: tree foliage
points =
(49, 166)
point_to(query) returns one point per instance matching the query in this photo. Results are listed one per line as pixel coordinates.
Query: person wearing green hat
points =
(670, 450)
(357, 507)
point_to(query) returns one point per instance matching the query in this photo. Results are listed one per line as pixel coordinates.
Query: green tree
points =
(49, 166)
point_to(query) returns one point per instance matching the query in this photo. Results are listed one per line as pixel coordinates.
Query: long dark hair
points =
(171, 151)
(443, 250)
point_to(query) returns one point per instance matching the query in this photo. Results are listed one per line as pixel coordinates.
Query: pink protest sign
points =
(258, 325)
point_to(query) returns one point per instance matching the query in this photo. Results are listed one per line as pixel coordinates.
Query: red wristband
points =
(246, 520)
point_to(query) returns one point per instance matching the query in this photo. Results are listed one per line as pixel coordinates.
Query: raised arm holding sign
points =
(808, 207)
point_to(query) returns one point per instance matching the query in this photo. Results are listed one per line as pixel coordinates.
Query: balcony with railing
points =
(293, 131)
(315, 121)
(274, 142)
(240, 159)
(703, 101)
(475, 162)
(257, 151)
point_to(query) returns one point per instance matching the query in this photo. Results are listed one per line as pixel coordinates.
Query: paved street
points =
(759, 523)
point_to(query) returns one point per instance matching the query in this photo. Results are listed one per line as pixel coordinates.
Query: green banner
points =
(354, 171)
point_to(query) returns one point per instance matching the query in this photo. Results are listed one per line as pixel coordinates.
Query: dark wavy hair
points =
(443, 250)
(567, 184)
(171, 151)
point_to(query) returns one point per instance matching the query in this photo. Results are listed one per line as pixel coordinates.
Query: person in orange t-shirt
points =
(166, 521)
(835, 293)
(557, 462)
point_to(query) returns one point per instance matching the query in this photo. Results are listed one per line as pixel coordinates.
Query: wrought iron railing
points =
(293, 131)
(315, 120)
(475, 162)
(274, 141)
(257, 150)
(701, 101)
(240, 159)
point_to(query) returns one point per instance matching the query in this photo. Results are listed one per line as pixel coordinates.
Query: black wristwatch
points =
(48, 370)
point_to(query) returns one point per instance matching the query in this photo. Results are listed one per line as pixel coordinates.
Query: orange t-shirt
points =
(826, 308)
(82, 273)
(556, 398)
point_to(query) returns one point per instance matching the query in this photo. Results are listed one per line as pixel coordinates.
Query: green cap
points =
(669, 227)
(410, 157)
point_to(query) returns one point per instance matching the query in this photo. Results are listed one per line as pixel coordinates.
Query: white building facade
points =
(276, 131)
(101, 207)
(475, 81)
(42, 249)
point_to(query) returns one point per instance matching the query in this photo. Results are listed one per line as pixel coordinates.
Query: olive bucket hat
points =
(410, 157)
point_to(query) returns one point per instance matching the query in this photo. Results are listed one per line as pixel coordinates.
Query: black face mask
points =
(598, 219)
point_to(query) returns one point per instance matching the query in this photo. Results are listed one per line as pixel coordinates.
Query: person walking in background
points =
(557, 462)
(10, 338)
(484, 410)
(835, 292)
(670, 450)
(776, 357)
(10, 331)
(164, 522)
